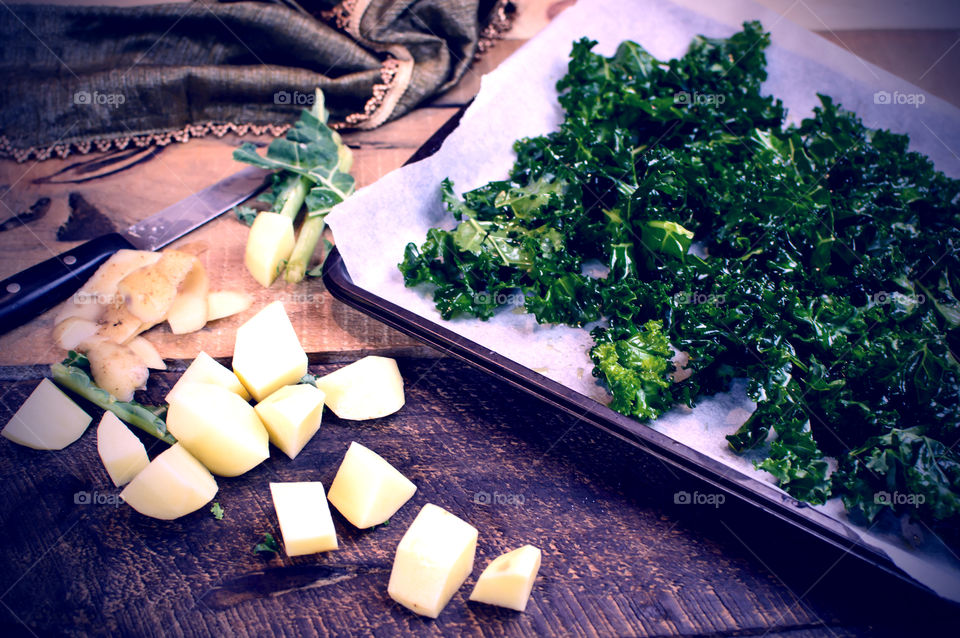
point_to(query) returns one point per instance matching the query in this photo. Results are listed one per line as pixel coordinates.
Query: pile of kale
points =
(824, 266)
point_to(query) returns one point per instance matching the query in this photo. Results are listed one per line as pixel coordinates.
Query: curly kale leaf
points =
(903, 471)
(636, 370)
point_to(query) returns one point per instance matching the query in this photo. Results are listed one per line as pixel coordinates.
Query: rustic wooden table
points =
(620, 558)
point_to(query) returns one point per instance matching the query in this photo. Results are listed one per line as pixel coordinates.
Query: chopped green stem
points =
(77, 380)
(310, 232)
(295, 198)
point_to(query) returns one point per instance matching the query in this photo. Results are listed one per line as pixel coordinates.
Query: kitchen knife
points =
(38, 288)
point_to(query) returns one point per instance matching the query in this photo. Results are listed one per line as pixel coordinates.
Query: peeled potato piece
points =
(508, 580)
(224, 303)
(116, 368)
(267, 354)
(188, 312)
(47, 420)
(122, 453)
(366, 389)
(292, 416)
(269, 245)
(172, 485)
(149, 292)
(73, 331)
(147, 353)
(304, 517)
(433, 560)
(218, 427)
(205, 369)
(367, 490)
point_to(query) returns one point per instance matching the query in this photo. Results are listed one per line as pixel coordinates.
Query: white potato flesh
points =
(370, 388)
(433, 560)
(147, 353)
(101, 289)
(508, 580)
(292, 416)
(73, 331)
(267, 354)
(218, 427)
(188, 312)
(206, 369)
(149, 292)
(225, 303)
(172, 485)
(122, 453)
(367, 490)
(304, 517)
(47, 420)
(118, 324)
(269, 245)
(116, 368)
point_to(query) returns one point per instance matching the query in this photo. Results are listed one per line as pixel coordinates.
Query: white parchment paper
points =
(519, 99)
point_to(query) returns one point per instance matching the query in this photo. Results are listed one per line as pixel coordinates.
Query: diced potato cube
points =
(47, 420)
(172, 485)
(366, 389)
(205, 369)
(267, 354)
(292, 416)
(120, 450)
(218, 427)
(269, 245)
(508, 579)
(304, 516)
(367, 490)
(433, 559)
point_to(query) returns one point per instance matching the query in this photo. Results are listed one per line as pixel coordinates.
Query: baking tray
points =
(763, 496)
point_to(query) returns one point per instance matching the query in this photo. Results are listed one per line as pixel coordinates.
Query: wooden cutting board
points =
(619, 556)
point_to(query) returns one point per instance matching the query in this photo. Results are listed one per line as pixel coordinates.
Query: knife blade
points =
(40, 287)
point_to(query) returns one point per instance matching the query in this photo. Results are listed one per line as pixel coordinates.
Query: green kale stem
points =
(77, 380)
(310, 232)
(295, 197)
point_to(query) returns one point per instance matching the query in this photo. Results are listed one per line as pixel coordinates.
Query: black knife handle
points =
(41, 287)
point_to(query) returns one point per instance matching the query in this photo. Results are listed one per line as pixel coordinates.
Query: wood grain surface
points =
(620, 557)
